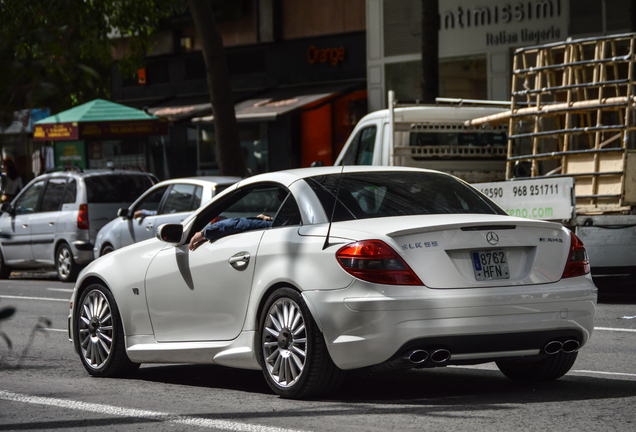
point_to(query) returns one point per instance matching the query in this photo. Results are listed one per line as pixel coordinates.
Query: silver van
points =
(54, 220)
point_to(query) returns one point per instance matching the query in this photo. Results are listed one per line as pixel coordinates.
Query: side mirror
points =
(170, 233)
(123, 212)
(6, 207)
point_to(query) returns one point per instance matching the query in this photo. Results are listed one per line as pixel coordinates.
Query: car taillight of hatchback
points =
(82, 217)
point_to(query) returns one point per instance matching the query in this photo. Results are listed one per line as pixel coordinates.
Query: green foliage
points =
(59, 53)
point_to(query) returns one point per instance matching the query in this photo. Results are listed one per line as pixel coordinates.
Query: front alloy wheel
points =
(100, 335)
(292, 350)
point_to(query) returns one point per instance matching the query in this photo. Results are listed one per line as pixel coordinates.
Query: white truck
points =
(432, 136)
(563, 149)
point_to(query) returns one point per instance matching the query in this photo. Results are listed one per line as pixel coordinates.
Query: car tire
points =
(292, 351)
(547, 369)
(106, 250)
(5, 270)
(67, 268)
(99, 334)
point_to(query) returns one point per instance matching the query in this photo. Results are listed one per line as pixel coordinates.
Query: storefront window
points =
(465, 77)
(121, 154)
(208, 163)
(405, 79)
(253, 137)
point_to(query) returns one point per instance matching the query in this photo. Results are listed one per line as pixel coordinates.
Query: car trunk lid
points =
(462, 251)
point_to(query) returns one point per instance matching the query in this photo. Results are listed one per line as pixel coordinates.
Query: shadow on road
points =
(441, 386)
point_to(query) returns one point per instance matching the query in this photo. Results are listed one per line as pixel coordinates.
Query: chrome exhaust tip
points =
(440, 356)
(418, 356)
(571, 346)
(553, 347)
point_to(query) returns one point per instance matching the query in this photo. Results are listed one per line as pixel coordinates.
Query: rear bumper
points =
(367, 324)
(82, 252)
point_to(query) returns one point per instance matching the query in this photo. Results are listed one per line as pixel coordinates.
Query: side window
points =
(360, 151)
(288, 213)
(28, 201)
(71, 192)
(196, 201)
(367, 142)
(265, 201)
(179, 199)
(244, 203)
(350, 156)
(53, 195)
(152, 200)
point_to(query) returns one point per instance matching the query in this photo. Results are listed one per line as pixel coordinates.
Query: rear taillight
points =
(577, 264)
(375, 261)
(82, 217)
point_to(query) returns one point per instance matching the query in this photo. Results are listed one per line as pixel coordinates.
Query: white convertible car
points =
(361, 267)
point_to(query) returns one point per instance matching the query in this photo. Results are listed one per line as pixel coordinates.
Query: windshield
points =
(115, 188)
(381, 194)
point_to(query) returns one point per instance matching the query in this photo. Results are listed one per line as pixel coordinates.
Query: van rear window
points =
(114, 188)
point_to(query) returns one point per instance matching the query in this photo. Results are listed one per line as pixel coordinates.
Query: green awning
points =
(99, 119)
(98, 110)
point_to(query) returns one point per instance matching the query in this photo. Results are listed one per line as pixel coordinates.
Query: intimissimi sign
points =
(489, 24)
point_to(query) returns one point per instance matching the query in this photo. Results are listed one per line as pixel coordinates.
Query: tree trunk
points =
(430, 50)
(228, 145)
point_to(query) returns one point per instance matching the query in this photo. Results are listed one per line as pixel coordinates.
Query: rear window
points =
(382, 194)
(116, 188)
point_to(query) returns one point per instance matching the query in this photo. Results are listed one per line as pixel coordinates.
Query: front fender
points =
(123, 272)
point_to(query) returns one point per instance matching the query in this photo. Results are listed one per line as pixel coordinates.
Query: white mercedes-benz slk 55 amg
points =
(360, 267)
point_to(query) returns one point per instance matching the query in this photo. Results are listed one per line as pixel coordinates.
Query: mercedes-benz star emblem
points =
(492, 238)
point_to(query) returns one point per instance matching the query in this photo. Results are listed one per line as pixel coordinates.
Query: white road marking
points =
(68, 290)
(130, 412)
(55, 330)
(614, 329)
(33, 298)
(603, 373)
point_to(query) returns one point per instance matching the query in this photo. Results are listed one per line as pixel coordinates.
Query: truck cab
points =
(431, 136)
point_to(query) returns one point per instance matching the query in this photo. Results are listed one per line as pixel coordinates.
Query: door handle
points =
(240, 260)
(25, 225)
(51, 223)
(148, 227)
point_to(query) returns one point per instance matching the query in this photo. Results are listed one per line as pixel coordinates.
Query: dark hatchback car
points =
(54, 220)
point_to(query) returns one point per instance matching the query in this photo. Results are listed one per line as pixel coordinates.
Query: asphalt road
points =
(43, 386)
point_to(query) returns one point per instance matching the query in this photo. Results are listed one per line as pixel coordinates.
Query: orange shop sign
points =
(325, 55)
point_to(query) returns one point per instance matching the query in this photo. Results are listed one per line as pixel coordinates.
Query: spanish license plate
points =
(490, 264)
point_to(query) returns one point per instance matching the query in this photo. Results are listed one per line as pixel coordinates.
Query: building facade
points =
(298, 74)
(476, 41)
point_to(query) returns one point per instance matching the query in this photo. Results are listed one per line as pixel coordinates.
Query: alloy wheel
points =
(64, 262)
(284, 340)
(95, 329)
